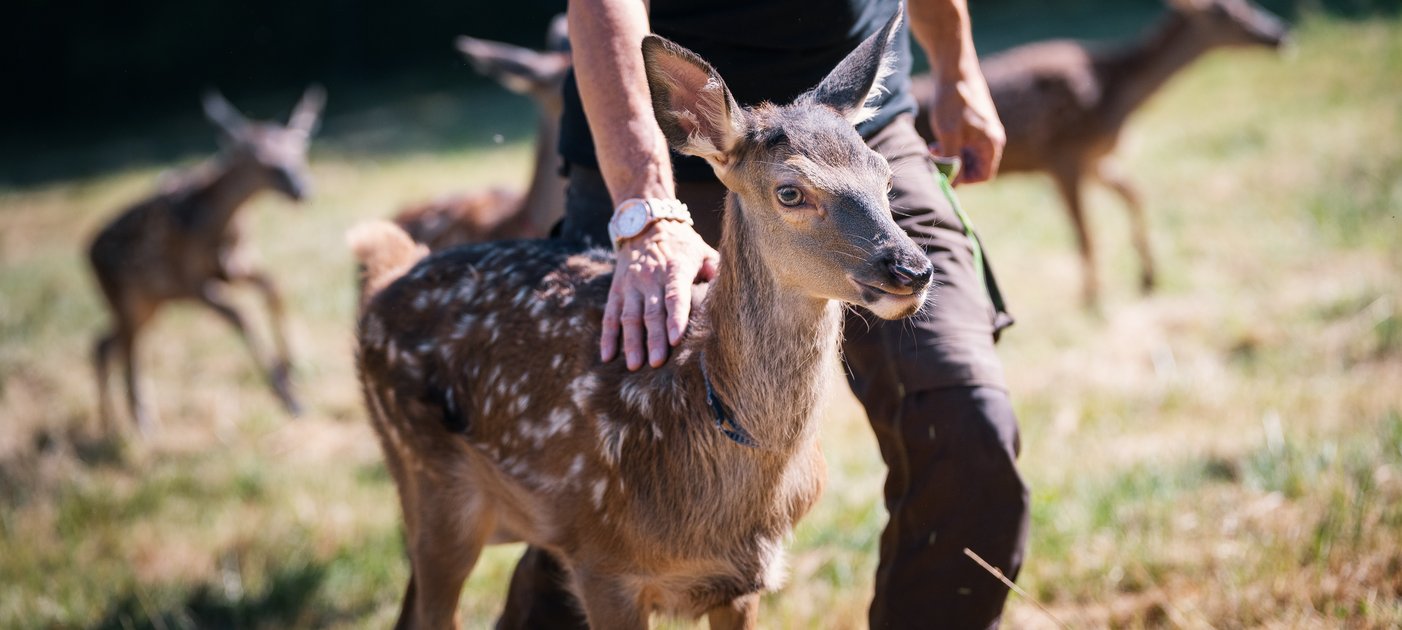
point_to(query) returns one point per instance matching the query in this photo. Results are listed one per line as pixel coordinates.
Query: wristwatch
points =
(633, 216)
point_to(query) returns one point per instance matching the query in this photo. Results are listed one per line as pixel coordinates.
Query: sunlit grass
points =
(1225, 453)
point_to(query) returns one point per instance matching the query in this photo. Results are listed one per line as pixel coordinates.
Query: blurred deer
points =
(184, 242)
(503, 213)
(667, 490)
(1063, 104)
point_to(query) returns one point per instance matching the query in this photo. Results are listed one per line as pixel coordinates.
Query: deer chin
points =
(888, 305)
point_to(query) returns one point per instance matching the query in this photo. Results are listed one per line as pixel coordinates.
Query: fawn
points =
(1064, 103)
(502, 213)
(667, 490)
(184, 243)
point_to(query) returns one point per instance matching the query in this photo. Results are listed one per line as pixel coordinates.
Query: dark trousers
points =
(933, 389)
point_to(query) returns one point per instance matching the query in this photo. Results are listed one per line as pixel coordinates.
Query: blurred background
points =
(1226, 452)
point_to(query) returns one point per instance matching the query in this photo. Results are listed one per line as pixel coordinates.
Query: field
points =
(1224, 453)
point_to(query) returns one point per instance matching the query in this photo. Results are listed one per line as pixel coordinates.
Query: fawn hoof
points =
(293, 407)
(1147, 284)
(282, 385)
(145, 422)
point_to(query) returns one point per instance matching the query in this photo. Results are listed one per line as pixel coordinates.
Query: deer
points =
(503, 213)
(667, 490)
(1064, 103)
(185, 243)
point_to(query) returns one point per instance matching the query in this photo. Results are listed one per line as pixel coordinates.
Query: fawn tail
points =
(385, 252)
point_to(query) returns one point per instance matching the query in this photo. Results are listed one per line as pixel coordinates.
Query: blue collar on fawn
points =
(725, 421)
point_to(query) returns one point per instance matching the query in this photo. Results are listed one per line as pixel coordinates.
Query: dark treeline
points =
(130, 59)
(75, 66)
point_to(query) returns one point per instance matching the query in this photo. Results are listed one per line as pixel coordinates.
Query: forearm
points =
(606, 37)
(942, 29)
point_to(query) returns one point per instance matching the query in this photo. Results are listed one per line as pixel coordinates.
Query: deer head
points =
(276, 153)
(1233, 22)
(538, 75)
(810, 194)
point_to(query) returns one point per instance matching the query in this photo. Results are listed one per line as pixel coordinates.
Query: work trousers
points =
(934, 392)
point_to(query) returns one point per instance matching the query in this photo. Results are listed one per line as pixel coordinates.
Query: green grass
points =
(1224, 453)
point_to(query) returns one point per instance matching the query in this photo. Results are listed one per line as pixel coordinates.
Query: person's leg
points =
(934, 392)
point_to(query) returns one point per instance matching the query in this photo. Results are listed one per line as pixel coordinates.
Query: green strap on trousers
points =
(946, 170)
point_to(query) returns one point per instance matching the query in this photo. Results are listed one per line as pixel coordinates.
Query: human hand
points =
(650, 299)
(967, 126)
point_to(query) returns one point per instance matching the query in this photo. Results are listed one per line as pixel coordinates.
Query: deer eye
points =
(789, 195)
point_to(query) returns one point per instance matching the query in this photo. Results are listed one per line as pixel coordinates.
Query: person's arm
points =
(650, 299)
(962, 115)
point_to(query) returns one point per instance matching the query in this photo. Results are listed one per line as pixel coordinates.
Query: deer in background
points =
(1063, 104)
(185, 242)
(665, 490)
(501, 213)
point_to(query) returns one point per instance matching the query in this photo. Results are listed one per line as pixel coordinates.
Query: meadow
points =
(1224, 453)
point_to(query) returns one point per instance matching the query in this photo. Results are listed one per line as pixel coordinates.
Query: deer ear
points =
(557, 36)
(518, 69)
(858, 79)
(306, 116)
(693, 106)
(223, 114)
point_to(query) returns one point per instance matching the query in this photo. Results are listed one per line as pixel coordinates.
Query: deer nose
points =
(914, 275)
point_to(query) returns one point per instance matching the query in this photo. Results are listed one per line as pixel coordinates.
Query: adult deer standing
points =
(1064, 103)
(665, 490)
(184, 242)
(503, 213)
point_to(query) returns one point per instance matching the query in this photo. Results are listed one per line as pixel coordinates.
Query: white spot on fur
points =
(598, 493)
(611, 437)
(581, 389)
(577, 465)
(636, 396)
(775, 563)
(557, 421)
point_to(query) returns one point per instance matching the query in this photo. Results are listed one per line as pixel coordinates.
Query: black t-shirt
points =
(770, 50)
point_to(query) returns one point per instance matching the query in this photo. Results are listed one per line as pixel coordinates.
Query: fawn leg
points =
(1068, 183)
(277, 317)
(607, 603)
(212, 296)
(1110, 174)
(102, 359)
(446, 540)
(741, 614)
(126, 344)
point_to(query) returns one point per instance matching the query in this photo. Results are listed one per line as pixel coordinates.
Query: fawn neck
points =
(545, 199)
(232, 183)
(1145, 66)
(770, 347)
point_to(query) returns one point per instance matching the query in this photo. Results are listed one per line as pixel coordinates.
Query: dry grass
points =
(1227, 453)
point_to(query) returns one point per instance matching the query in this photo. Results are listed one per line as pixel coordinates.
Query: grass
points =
(1225, 453)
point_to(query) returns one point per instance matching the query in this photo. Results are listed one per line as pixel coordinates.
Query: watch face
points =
(632, 220)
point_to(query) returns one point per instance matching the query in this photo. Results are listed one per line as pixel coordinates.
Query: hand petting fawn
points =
(1063, 104)
(667, 490)
(184, 243)
(506, 213)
